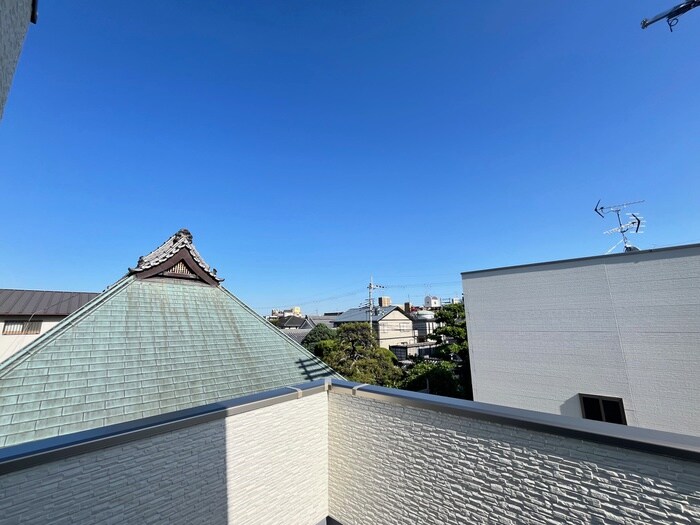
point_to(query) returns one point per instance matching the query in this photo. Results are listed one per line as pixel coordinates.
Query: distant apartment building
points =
(27, 314)
(431, 301)
(15, 16)
(384, 301)
(390, 324)
(613, 337)
(424, 324)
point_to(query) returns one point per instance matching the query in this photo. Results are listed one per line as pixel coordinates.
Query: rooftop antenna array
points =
(635, 223)
(672, 14)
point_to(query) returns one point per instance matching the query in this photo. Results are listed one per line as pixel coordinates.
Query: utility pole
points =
(370, 304)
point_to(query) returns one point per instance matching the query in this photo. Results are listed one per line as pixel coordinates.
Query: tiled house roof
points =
(141, 348)
(359, 315)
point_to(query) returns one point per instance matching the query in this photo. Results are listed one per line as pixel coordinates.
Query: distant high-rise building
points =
(384, 301)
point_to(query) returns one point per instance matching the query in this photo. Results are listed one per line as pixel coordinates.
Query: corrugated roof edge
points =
(9, 364)
(581, 259)
(279, 332)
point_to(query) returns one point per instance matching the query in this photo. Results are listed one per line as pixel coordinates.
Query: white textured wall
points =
(262, 467)
(391, 465)
(625, 326)
(277, 463)
(14, 19)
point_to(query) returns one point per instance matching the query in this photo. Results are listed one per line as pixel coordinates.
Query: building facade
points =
(15, 16)
(27, 314)
(614, 337)
(390, 324)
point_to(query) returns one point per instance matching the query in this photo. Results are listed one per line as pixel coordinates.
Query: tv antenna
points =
(635, 223)
(672, 14)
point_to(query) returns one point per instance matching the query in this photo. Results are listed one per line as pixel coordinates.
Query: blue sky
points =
(308, 145)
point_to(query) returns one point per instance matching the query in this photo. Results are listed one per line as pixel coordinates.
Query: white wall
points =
(395, 328)
(14, 19)
(624, 326)
(397, 465)
(11, 344)
(258, 468)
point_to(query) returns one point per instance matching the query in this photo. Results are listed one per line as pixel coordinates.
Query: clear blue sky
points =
(308, 145)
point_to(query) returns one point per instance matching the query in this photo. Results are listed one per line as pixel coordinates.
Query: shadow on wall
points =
(175, 477)
(571, 407)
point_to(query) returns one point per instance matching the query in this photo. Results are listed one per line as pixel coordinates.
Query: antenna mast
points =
(634, 223)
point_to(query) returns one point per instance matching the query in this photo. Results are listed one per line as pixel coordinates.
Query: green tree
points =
(438, 378)
(454, 326)
(356, 355)
(318, 334)
(452, 336)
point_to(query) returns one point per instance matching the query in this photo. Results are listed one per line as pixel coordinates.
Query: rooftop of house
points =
(165, 337)
(359, 315)
(42, 302)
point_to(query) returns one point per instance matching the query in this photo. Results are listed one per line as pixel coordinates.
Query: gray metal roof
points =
(316, 320)
(359, 315)
(42, 302)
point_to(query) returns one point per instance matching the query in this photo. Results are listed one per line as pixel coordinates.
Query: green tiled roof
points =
(145, 347)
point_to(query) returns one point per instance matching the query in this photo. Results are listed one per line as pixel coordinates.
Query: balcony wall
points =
(397, 459)
(359, 454)
(267, 465)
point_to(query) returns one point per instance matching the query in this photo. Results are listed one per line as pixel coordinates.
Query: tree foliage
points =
(437, 377)
(453, 326)
(452, 334)
(356, 355)
(317, 335)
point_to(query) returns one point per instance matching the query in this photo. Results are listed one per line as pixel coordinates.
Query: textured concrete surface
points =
(624, 326)
(392, 465)
(14, 20)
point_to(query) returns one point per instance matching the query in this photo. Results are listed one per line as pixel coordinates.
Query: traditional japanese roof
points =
(40, 302)
(359, 315)
(144, 347)
(176, 257)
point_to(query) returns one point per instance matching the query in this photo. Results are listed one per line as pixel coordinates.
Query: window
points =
(600, 408)
(21, 328)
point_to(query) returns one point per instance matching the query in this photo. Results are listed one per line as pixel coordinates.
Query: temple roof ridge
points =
(170, 253)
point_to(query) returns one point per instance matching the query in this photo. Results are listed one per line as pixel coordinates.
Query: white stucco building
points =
(15, 16)
(617, 336)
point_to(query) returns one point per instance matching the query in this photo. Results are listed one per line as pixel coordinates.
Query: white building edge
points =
(623, 326)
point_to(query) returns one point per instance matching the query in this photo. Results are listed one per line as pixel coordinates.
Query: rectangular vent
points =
(21, 328)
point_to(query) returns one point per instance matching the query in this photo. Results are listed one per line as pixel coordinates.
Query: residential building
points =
(338, 453)
(406, 351)
(424, 324)
(431, 301)
(390, 324)
(27, 314)
(15, 16)
(613, 337)
(167, 336)
(384, 301)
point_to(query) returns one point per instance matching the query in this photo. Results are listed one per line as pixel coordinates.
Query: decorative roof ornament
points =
(177, 258)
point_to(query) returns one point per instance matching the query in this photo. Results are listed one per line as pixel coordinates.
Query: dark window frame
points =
(601, 408)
